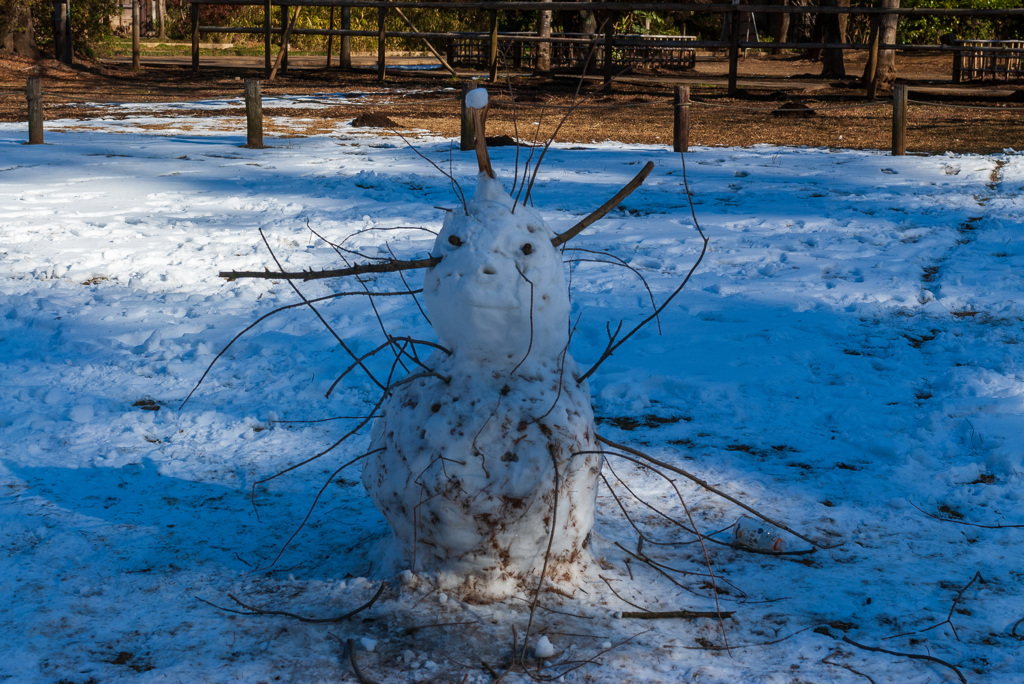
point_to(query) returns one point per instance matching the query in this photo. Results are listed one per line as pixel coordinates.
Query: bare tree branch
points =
(253, 610)
(622, 194)
(914, 656)
(390, 266)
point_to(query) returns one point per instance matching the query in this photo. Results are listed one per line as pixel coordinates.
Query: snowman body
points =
(486, 468)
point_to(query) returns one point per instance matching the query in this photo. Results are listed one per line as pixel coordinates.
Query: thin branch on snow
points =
(279, 310)
(254, 610)
(965, 522)
(323, 320)
(351, 643)
(949, 617)
(710, 488)
(827, 661)
(914, 656)
(614, 344)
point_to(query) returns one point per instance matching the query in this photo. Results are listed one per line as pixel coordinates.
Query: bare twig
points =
(705, 485)
(447, 174)
(612, 343)
(279, 310)
(254, 610)
(355, 666)
(1013, 630)
(964, 522)
(390, 266)
(323, 320)
(622, 194)
(357, 428)
(316, 499)
(727, 647)
(614, 261)
(949, 617)
(678, 614)
(827, 661)
(914, 656)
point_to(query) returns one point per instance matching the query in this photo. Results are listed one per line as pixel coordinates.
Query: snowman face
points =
(499, 293)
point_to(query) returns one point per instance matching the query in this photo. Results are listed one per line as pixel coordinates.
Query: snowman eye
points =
(454, 241)
(527, 248)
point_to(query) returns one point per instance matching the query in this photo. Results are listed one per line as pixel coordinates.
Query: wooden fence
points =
(732, 15)
(979, 60)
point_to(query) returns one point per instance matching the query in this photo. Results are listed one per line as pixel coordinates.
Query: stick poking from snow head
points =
(477, 103)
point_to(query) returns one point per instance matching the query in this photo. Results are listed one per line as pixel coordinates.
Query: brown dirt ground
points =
(943, 117)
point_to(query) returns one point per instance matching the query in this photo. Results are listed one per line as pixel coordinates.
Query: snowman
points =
(486, 466)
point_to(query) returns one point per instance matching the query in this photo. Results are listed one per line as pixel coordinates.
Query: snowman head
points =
(498, 295)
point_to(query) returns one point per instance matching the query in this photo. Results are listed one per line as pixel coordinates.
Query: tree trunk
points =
(161, 14)
(778, 24)
(544, 49)
(885, 70)
(834, 31)
(17, 32)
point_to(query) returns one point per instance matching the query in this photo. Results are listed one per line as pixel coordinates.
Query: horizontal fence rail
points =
(995, 60)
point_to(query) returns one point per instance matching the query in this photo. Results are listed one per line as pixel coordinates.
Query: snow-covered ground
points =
(848, 360)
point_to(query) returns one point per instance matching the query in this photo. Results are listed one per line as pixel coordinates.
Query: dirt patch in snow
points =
(639, 110)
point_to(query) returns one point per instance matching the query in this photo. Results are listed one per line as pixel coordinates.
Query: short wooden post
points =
(268, 46)
(195, 37)
(734, 49)
(899, 119)
(381, 47)
(346, 41)
(34, 93)
(681, 130)
(253, 114)
(467, 140)
(136, 33)
(492, 57)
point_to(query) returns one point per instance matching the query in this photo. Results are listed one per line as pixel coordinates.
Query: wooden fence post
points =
(330, 39)
(899, 119)
(609, 45)
(734, 49)
(346, 41)
(195, 38)
(268, 20)
(492, 57)
(381, 47)
(136, 33)
(253, 114)
(34, 94)
(467, 140)
(681, 130)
